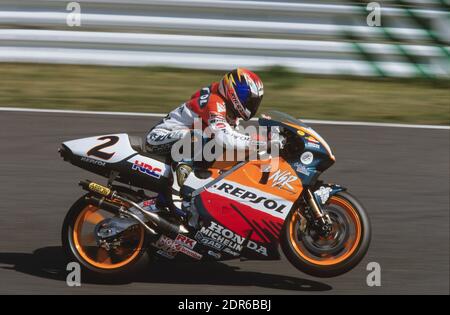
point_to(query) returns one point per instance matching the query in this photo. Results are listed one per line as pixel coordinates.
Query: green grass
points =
(161, 89)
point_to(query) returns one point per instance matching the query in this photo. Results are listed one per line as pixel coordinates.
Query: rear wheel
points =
(336, 254)
(118, 257)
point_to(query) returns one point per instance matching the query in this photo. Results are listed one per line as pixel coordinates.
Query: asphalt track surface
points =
(401, 175)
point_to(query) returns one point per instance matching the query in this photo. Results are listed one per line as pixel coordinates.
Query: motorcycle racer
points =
(220, 105)
(249, 211)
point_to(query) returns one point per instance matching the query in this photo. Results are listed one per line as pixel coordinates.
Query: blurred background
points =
(318, 59)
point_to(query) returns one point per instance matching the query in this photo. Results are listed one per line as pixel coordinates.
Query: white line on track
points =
(136, 114)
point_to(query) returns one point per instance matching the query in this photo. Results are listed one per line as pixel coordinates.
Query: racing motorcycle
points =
(245, 209)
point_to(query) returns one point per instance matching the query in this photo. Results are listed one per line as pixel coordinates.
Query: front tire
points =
(80, 244)
(337, 254)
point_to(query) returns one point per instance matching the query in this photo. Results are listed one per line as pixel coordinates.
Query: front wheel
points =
(81, 244)
(336, 254)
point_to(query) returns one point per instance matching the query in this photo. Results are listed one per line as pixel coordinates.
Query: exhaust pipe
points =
(110, 206)
(104, 204)
(160, 222)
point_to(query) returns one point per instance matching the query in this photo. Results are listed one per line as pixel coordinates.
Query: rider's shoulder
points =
(216, 104)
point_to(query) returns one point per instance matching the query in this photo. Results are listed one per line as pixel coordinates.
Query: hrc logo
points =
(146, 169)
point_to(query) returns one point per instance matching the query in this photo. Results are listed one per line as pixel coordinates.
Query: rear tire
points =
(104, 264)
(303, 249)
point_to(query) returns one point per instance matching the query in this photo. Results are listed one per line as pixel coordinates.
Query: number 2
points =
(96, 151)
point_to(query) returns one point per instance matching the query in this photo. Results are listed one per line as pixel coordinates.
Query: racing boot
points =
(180, 171)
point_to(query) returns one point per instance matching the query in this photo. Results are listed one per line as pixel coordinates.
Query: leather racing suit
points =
(208, 105)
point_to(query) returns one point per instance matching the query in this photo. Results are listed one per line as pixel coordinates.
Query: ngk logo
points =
(186, 241)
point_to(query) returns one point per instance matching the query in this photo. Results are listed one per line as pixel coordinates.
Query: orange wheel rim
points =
(350, 246)
(85, 243)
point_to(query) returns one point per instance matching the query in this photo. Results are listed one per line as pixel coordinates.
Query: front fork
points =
(321, 221)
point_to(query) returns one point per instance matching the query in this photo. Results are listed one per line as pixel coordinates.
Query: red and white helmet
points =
(243, 90)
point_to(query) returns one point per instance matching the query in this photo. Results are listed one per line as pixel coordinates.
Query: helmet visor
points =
(253, 105)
